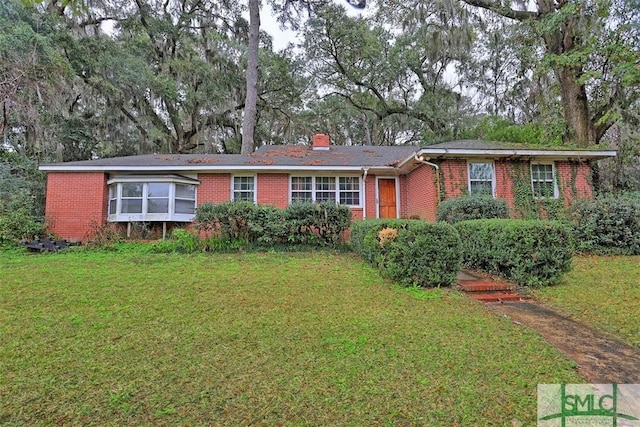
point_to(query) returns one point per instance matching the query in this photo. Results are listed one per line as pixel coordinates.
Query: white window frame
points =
(254, 190)
(556, 193)
(493, 175)
(115, 196)
(336, 180)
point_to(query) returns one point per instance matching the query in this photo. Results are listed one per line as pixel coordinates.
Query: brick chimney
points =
(320, 141)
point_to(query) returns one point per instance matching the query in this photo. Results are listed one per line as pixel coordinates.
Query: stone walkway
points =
(601, 358)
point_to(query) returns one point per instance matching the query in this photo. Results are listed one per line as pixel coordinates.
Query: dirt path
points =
(601, 358)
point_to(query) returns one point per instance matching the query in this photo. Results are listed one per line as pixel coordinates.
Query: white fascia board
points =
(195, 169)
(586, 154)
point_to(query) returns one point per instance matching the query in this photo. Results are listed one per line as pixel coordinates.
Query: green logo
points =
(587, 404)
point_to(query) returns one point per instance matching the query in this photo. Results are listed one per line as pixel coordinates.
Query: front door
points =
(387, 207)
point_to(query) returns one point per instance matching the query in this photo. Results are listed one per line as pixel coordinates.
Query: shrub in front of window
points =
(606, 225)
(300, 223)
(471, 207)
(530, 253)
(422, 253)
(323, 222)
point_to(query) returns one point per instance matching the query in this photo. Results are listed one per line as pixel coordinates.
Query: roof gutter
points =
(581, 154)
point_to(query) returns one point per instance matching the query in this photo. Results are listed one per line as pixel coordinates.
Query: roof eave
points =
(208, 168)
(508, 153)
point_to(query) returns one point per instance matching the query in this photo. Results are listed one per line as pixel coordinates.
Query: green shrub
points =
(607, 225)
(300, 223)
(18, 221)
(530, 253)
(471, 207)
(408, 251)
(323, 222)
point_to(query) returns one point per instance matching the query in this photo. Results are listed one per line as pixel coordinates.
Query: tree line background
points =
(81, 79)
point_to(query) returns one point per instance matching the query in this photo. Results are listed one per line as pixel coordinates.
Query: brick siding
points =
(76, 203)
(420, 194)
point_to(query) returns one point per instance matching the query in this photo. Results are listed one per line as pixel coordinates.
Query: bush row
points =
(530, 253)
(299, 223)
(607, 225)
(410, 252)
(604, 225)
(471, 207)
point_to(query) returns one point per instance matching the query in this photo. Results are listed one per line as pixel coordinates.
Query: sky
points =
(282, 38)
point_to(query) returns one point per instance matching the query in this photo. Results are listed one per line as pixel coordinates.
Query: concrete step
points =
(484, 286)
(496, 296)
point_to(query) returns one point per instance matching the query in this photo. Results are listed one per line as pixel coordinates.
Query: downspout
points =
(425, 161)
(365, 171)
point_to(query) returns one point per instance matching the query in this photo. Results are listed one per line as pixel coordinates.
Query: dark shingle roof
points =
(275, 155)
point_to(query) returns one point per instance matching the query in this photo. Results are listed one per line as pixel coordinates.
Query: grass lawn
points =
(603, 291)
(263, 339)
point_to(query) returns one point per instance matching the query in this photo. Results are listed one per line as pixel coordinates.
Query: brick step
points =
(484, 286)
(496, 296)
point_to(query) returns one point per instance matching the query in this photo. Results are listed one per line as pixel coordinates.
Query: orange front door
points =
(387, 198)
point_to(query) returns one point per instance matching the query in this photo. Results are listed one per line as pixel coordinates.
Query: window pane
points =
(131, 205)
(349, 183)
(243, 195)
(481, 171)
(325, 196)
(112, 206)
(301, 196)
(325, 183)
(243, 183)
(301, 183)
(243, 187)
(158, 206)
(132, 189)
(185, 191)
(185, 207)
(542, 180)
(351, 198)
(158, 189)
(480, 187)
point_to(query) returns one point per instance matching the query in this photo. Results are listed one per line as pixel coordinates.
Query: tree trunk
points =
(250, 107)
(575, 106)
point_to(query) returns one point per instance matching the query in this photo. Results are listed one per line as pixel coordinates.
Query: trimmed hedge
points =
(299, 223)
(530, 253)
(471, 207)
(607, 225)
(411, 252)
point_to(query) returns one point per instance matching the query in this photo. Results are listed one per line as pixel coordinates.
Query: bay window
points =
(152, 198)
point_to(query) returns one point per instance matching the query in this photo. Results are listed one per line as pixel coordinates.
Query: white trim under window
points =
(152, 198)
(345, 190)
(481, 178)
(543, 180)
(243, 188)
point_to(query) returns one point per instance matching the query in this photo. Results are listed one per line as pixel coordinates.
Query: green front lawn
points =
(603, 291)
(265, 339)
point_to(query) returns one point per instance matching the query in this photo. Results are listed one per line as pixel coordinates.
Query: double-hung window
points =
(152, 198)
(344, 189)
(481, 178)
(543, 182)
(244, 189)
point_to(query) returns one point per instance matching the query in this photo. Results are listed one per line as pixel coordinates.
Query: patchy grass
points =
(265, 339)
(603, 291)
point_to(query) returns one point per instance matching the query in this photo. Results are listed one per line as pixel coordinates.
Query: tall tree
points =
(590, 46)
(250, 105)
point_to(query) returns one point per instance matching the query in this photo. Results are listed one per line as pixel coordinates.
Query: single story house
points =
(376, 182)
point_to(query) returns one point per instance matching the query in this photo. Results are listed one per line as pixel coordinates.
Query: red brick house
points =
(376, 182)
